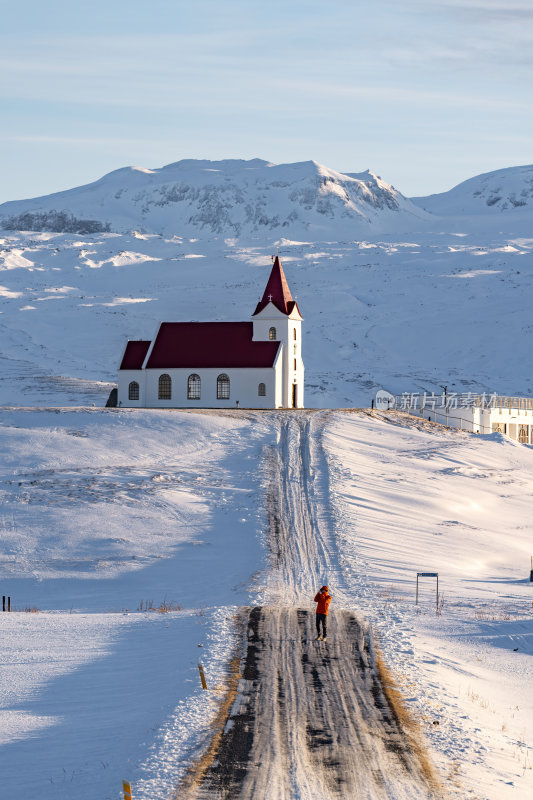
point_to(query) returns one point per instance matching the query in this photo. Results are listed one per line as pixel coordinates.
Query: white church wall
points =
(270, 317)
(244, 388)
(293, 367)
(278, 367)
(125, 377)
(298, 379)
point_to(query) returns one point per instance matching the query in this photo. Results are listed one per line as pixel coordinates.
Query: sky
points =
(425, 93)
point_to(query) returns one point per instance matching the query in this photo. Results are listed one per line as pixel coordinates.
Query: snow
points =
(405, 314)
(508, 190)
(91, 701)
(229, 198)
(416, 498)
(104, 512)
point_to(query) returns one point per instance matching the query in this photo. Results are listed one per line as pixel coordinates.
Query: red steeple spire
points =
(277, 291)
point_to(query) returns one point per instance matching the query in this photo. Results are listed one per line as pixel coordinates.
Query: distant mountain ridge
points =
(237, 198)
(508, 189)
(223, 198)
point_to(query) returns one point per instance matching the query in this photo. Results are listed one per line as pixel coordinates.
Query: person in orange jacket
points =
(322, 599)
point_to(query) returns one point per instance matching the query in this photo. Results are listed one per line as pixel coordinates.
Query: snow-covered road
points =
(299, 538)
(101, 509)
(311, 719)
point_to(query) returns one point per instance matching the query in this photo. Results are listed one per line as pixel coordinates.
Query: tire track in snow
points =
(303, 550)
(311, 719)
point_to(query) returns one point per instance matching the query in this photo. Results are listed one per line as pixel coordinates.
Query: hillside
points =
(223, 198)
(107, 514)
(405, 314)
(504, 190)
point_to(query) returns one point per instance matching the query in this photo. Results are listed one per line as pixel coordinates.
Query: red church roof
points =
(277, 291)
(135, 354)
(209, 344)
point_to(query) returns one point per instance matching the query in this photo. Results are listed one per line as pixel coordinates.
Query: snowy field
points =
(107, 513)
(405, 313)
(414, 498)
(104, 512)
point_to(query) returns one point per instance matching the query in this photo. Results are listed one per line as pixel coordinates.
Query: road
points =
(311, 720)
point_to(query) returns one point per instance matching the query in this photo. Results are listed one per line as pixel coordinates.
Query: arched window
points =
(194, 386)
(223, 387)
(165, 387)
(133, 391)
(261, 390)
(295, 334)
(272, 334)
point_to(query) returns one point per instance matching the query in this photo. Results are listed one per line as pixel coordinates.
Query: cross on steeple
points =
(277, 291)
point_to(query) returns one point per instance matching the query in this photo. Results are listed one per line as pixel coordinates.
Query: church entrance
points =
(295, 395)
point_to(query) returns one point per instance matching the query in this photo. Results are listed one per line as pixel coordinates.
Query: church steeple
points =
(277, 318)
(277, 291)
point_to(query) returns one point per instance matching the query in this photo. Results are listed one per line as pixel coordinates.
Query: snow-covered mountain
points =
(503, 190)
(382, 310)
(223, 198)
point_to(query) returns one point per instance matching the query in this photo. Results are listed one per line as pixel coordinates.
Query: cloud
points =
(504, 7)
(96, 141)
(401, 95)
(477, 12)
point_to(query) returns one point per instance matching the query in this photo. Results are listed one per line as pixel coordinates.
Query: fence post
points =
(202, 676)
(9, 603)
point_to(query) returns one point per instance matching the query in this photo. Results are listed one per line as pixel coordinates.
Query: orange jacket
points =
(323, 599)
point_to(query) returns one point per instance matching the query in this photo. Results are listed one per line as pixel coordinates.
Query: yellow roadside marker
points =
(126, 785)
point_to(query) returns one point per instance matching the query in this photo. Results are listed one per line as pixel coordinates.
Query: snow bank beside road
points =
(100, 511)
(90, 699)
(92, 494)
(412, 497)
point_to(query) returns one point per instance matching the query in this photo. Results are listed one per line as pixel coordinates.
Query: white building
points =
(256, 364)
(485, 413)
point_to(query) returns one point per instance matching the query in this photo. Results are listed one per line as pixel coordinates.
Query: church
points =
(255, 364)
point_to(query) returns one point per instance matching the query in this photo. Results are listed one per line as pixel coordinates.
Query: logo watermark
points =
(418, 401)
(408, 401)
(384, 400)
